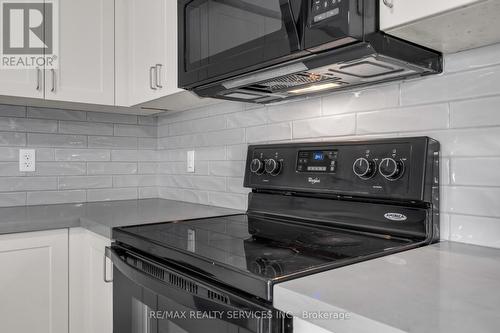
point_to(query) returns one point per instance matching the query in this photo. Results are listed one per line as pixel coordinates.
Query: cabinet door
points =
(34, 282)
(395, 13)
(21, 83)
(146, 50)
(86, 53)
(169, 58)
(91, 298)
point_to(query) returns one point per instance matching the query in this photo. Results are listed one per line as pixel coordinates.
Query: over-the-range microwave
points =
(265, 51)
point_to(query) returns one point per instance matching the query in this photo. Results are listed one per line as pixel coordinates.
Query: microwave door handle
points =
(290, 24)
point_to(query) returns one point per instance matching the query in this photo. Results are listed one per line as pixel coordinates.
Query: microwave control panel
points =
(324, 9)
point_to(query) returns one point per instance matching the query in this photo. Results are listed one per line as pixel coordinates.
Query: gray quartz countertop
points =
(446, 287)
(101, 217)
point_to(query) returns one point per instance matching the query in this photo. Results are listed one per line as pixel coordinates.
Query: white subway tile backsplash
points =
(112, 142)
(475, 230)
(28, 125)
(448, 87)
(112, 118)
(479, 201)
(404, 120)
(227, 168)
(93, 155)
(308, 108)
(247, 118)
(237, 152)
(467, 142)
(141, 131)
(198, 126)
(266, 133)
(9, 154)
(473, 59)
(88, 128)
(56, 197)
(57, 114)
(475, 171)
(56, 140)
(235, 185)
(10, 169)
(327, 126)
(109, 194)
(12, 199)
(376, 98)
(475, 113)
(18, 184)
(134, 180)
(84, 182)
(111, 168)
(12, 139)
(61, 168)
(12, 111)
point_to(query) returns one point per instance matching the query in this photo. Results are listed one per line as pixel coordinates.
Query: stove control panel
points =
(381, 168)
(322, 161)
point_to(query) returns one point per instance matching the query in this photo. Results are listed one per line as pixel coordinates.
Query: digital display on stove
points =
(318, 156)
(314, 161)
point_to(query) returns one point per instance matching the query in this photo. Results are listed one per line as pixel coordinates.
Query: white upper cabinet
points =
(21, 82)
(394, 13)
(86, 53)
(146, 50)
(445, 25)
(34, 282)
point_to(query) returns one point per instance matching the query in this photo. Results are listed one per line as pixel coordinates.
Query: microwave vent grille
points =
(297, 80)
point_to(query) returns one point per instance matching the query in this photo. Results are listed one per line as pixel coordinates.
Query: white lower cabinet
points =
(34, 282)
(53, 282)
(90, 297)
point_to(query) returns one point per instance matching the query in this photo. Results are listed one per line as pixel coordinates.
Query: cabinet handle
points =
(107, 255)
(152, 77)
(38, 78)
(158, 75)
(53, 71)
(388, 3)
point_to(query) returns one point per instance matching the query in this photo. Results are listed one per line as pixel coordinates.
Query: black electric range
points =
(313, 207)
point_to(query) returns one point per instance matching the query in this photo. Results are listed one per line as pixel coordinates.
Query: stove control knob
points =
(391, 169)
(273, 167)
(364, 168)
(257, 166)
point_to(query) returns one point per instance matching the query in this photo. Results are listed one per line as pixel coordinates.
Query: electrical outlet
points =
(190, 161)
(27, 160)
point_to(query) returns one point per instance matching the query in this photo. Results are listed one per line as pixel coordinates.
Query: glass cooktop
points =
(264, 247)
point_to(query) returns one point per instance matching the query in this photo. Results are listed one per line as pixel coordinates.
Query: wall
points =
(461, 109)
(80, 156)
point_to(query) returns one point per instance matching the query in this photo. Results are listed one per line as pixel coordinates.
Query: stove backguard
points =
(388, 186)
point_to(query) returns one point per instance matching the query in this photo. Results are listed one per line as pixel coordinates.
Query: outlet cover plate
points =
(27, 160)
(190, 161)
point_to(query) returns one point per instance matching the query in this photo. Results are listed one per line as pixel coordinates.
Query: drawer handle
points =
(158, 75)
(388, 3)
(107, 255)
(152, 77)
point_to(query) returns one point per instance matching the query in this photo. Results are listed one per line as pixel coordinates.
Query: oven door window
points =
(224, 35)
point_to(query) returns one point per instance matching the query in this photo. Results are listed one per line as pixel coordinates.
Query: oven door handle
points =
(203, 303)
